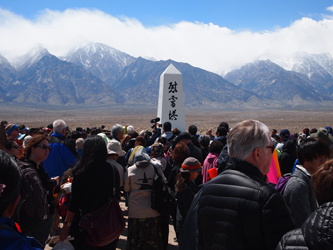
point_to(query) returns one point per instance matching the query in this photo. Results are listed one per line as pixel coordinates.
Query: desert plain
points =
(140, 116)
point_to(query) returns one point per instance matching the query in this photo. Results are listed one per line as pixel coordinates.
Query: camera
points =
(157, 119)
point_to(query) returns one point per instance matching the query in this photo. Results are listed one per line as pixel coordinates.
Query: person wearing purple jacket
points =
(210, 162)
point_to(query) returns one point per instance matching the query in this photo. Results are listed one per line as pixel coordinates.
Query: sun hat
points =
(114, 147)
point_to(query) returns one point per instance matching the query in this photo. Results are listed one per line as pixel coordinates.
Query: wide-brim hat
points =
(114, 147)
(191, 165)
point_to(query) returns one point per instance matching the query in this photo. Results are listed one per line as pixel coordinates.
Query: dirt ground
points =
(139, 117)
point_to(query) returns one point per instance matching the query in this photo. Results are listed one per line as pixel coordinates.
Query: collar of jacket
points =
(58, 135)
(246, 168)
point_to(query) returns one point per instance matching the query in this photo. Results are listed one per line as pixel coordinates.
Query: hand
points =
(56, 179)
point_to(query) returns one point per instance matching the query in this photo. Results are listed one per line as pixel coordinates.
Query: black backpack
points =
(33, 209)
(162, 197)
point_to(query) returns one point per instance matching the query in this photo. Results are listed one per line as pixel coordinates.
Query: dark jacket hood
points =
(289, 147)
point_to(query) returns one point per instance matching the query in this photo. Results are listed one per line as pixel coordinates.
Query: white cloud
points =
(207, 46)
(330, 8)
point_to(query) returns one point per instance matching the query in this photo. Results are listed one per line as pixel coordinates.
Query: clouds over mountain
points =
(205, 45)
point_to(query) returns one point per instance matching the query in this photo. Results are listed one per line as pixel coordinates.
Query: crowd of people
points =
(218, 185)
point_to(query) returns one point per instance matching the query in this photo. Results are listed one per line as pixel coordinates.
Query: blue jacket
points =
(61, 157)
(11, 238)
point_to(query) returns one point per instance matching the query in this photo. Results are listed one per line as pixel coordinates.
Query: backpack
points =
(282, 182)
(162, 198)
(33, 209)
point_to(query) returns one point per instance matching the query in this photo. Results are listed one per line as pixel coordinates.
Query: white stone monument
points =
(171, 98)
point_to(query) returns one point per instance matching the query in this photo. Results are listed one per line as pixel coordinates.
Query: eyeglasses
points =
(272, 148)
(44, 147)
(16, 146)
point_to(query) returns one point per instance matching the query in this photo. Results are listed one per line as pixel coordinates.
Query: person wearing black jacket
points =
(92, 185)
(238, 209)
(315, 233)
(37, 150)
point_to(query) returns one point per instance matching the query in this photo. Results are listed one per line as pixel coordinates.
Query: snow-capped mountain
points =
(99, 59)
(272, 81)
(318, 68)
(33, 56)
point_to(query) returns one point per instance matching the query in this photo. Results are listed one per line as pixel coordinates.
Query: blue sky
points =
(237, 15)
(213, 35)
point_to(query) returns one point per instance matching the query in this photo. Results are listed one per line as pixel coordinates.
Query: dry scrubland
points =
(139, 117)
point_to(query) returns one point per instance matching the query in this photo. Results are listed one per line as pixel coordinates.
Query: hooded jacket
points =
(288, 157)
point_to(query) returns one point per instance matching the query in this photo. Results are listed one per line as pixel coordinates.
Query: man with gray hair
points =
(238, 209)
(62, 154)
(117, 132)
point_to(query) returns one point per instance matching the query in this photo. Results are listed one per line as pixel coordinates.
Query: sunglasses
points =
(44, 147)
(16, 146)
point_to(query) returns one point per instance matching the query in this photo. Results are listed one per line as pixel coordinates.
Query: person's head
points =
(140, 141)
(274, 131)
(167, 127)
(276, 137)
(180, 152)
(221, 131)
(130, 129)
(12, 131)
(4, 124)
(185, 137)
(313, 152)
(9, 185)
(114, 148)
(37, 148)
(284, 135)
(250, 141)
(192, 129)
(322, 183)
(94, 153)
(157, 150)
(313, 130)
(79, 143)
(67, 176)
(23, 129)
(189, 170)
(59, 127)
(164, 141)
(216, 147)
(204, 140)
(13, 148)
(176, 131)
(306, 131)
(117, 132)
(224, 124)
